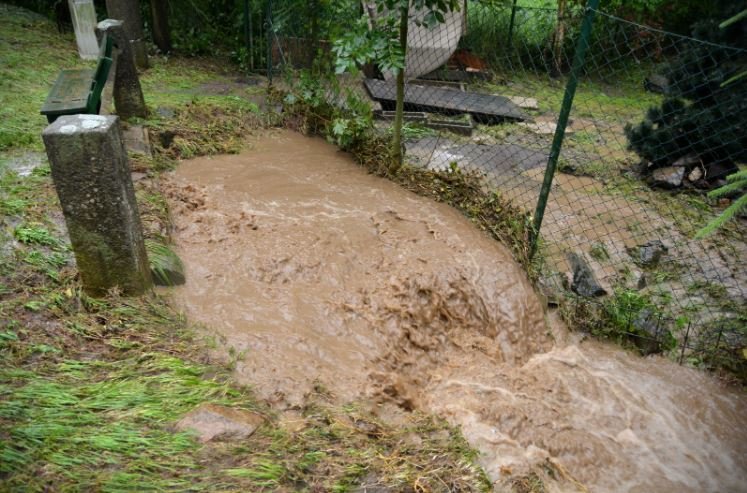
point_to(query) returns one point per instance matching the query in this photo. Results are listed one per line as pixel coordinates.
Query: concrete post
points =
(129, 12)
(92, 178)
(128, 95)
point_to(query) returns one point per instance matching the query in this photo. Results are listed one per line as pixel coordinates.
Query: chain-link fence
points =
(652, 126)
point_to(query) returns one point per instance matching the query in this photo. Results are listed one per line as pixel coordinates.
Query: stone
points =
(651, 252)
(165, 112)
(695, 174)
(98, 202)
(551, 288)
(656, 83)
(526, 103)
(128, 94)
(544, 127)
(136, 140)
(649, 335)
(584, 283)
(165, 266)
(668, 177)
(220, 423)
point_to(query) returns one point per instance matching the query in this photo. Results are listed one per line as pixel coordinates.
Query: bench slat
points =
(70, 92)
(79, 91)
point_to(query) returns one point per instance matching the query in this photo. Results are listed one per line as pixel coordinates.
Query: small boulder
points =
(165, 112)
(656, 83)
(166, 267)
(214, 422)
(584, 282)
(695, 174)
(649, 335)
(543, 127)
(651, 252)
(668, 177)
(551, 287)
(522, 102)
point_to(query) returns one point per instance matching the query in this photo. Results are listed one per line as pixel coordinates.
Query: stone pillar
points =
(128, 95)
(129, 12)
(92, 178)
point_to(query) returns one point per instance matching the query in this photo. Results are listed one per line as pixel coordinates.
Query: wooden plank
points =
(69, 93)
(485, 108)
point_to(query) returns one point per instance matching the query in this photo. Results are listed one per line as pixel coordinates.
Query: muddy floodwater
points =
(315, 272)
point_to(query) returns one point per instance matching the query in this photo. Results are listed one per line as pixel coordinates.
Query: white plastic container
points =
(84, 22)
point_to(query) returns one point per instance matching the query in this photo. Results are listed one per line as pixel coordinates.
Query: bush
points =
(702, 116)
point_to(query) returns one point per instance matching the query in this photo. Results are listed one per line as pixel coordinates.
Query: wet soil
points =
(318, 274)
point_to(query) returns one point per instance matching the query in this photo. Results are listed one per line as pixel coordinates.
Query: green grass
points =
(175, 82)
(32, 54)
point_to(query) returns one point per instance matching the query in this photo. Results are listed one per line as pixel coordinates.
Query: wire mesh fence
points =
(652, 126)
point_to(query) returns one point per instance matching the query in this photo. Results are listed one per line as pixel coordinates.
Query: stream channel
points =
(316, 272)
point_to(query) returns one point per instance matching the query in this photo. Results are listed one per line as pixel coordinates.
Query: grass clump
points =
(32, 54)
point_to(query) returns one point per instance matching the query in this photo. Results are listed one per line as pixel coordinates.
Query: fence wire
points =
(652, 127)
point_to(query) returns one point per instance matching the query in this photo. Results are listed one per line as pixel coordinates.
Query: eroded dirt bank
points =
(314, 271)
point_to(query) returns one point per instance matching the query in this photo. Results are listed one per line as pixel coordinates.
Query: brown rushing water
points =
(315, 271)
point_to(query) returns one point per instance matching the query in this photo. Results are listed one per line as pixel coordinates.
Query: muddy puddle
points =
(316, 273)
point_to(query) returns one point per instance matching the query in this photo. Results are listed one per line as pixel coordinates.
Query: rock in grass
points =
(584, 282)
(668, 177)
(656, 83)
(165, 266)
(650, 335)
(651, 252)
(214, 422)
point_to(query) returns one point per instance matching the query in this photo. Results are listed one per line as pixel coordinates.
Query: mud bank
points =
(318, 273)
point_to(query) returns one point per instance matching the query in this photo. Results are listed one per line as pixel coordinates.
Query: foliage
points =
(385, 43)
(24, 85)
(701, 115)
(351, 122)
(362, 45)
(35, 234)
(165, 265)
(736, 185)
(318, 105)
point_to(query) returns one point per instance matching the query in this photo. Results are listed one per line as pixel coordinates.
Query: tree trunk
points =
(128, 11)
(159, 10)
(559, 39)
(399, 110)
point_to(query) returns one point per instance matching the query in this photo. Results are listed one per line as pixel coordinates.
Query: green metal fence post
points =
(268, 24)
(565, 111)
(511, 24)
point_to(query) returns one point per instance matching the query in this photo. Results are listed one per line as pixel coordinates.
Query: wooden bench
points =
(79, 91)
